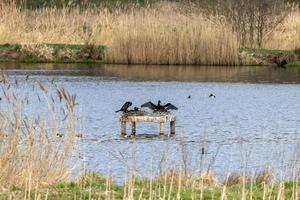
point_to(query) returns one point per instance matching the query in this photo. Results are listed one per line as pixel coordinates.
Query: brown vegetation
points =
(36, 147)
(163, 33)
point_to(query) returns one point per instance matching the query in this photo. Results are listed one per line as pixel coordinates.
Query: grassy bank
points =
(95, 186)
(68, 53)
(294, 64)
(249, 56)
(58, 53)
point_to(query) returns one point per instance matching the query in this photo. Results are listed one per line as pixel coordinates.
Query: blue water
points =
(249, 124)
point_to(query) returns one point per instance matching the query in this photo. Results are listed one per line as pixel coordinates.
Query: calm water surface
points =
(255, 116)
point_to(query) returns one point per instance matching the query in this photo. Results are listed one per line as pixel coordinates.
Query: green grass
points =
(72, 190)
(94, 186)
(267, 51)
(294, 64)
(10, 46)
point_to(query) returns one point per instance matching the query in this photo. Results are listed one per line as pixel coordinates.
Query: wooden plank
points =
(172, 127)
(123, 128)
(161, 128)
(142, 116)
(147, 118)
(133, 128)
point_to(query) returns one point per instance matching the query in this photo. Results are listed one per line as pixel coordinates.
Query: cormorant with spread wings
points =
(159, 107)
(125, 107)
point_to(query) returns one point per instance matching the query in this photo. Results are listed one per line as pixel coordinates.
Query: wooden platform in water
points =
(142, 116)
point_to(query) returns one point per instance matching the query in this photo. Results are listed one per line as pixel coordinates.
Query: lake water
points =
(254, 119)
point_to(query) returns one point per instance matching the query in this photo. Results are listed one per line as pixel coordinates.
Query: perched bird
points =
(212, 96)
(136, 109)
(125, 107)
(189, 97)
(159, 107)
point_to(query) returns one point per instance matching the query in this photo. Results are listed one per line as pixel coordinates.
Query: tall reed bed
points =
(287, 34)
(164, 35)
(161, 33)
(37, 133)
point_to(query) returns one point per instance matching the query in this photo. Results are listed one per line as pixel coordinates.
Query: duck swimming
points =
(159, 107)
(212, 96)
(125, 107)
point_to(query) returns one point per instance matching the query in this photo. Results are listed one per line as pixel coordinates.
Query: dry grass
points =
(35, 144)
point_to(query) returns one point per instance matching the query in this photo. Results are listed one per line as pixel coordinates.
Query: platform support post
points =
(133, 128)
(123, 128)
(172, 127)
(161, 128)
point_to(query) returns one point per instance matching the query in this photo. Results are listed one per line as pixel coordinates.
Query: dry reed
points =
(158, 34)
(287, 34)
(35, 144)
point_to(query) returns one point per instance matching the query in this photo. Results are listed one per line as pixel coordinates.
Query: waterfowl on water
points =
(212, 96)
(159, 107)
(59, 135)
(125, 107)
(128, 136)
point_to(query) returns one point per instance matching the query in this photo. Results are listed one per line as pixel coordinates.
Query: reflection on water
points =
(262, 119)
(165, 72)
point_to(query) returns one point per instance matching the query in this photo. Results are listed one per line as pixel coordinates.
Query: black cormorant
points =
(125, 107)
(159, 107)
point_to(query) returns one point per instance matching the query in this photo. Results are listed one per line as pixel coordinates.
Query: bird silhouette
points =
(125, 107)
(212, 96)
(159, 107)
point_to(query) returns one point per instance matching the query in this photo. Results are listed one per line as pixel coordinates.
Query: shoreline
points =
(89, 53)
(172, 185)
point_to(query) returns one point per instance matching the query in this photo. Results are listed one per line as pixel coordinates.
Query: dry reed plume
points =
(36, 144)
